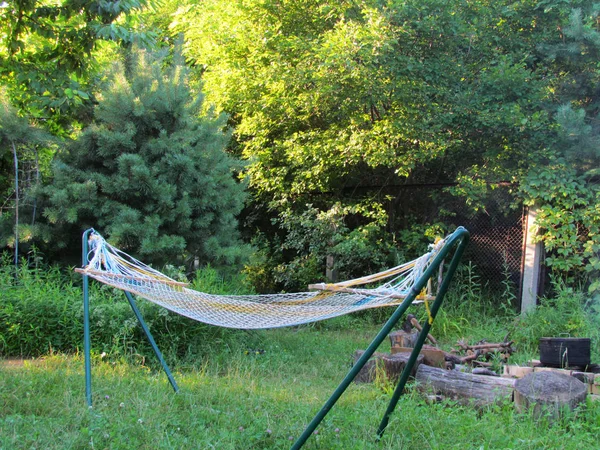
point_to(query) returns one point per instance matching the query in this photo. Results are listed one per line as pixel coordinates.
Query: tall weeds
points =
(41, 312)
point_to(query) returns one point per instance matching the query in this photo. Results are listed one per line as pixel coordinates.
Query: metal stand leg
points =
(355, 369)
(460, 235)
(422, 336)
(86, 322)
(137, 313)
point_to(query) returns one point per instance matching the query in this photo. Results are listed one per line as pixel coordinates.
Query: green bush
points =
(42, 312)
(567, 314)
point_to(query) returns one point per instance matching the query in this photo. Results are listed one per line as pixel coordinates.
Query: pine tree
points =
(151, 172)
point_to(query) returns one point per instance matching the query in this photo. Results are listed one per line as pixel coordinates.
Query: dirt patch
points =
(15, 363)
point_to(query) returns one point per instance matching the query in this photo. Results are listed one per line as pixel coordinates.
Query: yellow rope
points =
(429, 316)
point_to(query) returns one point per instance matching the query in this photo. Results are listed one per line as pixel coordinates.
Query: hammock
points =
(113, 267)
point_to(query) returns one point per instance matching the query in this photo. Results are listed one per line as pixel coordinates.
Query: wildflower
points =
(140, 421)
(337, 430)
(106, 397)
(241, 428)
(121, 405)
(269, 431)
(316, 432)
(291, 438)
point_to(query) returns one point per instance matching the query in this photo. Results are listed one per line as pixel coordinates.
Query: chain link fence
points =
(496, 248)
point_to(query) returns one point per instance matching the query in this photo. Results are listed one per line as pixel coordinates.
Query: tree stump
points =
(548, 393)
(466, 388)
(403, 339)
(391, 366)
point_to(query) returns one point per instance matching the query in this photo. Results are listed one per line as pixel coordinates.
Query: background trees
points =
(49, 54)
(333, 105)
(24, 150)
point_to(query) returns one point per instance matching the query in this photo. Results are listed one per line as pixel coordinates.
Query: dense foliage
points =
(332, 103)
(42, 312)
(26, 150)
(150, 172)
(337, 105)
(48, 54)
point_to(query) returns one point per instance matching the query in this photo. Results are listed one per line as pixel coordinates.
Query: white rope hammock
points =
(113, 267)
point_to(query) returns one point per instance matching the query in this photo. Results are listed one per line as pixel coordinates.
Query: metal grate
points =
(496, 247)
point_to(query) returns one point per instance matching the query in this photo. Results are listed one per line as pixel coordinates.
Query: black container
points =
(565, 352)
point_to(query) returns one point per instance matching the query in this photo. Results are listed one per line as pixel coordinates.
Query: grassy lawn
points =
(256, 392)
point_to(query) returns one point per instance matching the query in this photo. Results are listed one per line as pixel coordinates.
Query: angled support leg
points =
(157, 352)
(461, 237)
(422, 336)
(86, 326)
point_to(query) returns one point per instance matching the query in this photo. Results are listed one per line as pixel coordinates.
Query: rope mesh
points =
(113, 267)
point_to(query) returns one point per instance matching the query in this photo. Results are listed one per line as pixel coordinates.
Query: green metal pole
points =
(385, 330)
(86, 320)
(137, 313)
(423, 334)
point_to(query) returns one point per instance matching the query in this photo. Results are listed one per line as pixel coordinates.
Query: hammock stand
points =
(457, 241)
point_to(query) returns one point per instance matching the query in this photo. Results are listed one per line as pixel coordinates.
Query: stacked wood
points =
(432, 356)
(483, 350)
(390, 366)
(466, 388)
(548, 393)
(407, 337)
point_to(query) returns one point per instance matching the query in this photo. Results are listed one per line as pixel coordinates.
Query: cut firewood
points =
(466, 388)
(403, 338)
(548, 393)
(390, 365)
(415, 323)
(484, 371)
(516, 371)
(432, 356)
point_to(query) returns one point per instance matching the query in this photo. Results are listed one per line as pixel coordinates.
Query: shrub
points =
(567, 314)
(42, 312)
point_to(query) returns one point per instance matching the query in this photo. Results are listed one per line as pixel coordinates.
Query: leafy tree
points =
(149, 172)
(332, 102)
(49, 49)
(566, 189)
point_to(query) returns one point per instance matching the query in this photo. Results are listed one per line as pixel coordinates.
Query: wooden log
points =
(567, 372)
(415, 323)
(390, 366)
(548, 393)
(403, 338)
(432, 356)
(466, 388)
(512, 371)
(595, 387)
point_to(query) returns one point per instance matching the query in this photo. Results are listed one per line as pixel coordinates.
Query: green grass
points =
(258, 391)
(252, 390)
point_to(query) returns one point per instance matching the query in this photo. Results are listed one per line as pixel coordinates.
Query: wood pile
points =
(464, 374)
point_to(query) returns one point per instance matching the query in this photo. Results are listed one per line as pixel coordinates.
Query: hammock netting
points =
(113, 267)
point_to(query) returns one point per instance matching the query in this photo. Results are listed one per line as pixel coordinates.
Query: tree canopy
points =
(333, 106)
(48, 57)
